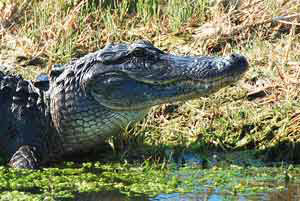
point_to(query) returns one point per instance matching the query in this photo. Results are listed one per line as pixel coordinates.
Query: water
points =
(215, 182)
(258, 183)
(290, 193)
(107, 196)
(187, 178)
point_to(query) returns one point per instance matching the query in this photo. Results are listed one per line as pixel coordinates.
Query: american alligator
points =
(92, 98)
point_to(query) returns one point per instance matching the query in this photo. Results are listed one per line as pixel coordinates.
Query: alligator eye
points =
(138, 52)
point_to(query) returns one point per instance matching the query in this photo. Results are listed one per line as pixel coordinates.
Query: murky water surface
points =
(225, 182)
(290, 193)
(245, 183)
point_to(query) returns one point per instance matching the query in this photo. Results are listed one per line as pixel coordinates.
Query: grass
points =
(260, 113)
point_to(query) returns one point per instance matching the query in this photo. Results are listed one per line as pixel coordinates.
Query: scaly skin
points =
(96, 96)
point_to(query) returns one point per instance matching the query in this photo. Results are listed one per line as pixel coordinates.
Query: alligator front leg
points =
(23, 122)
(29, 128)
(26, 157)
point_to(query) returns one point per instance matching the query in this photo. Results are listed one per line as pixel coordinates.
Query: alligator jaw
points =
(171, 78)
(202, 71)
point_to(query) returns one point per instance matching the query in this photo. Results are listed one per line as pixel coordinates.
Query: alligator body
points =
(94, 97)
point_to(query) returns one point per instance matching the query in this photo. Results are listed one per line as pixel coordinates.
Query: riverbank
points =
(260, 113)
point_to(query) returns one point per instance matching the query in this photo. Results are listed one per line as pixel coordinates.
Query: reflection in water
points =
(190, 197)
(186, 197)
(291, 193)
(288, 192)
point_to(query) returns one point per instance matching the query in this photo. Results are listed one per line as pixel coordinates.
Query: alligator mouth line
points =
(233, 77)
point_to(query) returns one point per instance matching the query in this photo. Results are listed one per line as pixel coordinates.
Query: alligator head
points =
(137, 76)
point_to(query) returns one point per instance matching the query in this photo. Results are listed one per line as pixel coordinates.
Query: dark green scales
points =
(92, 98)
